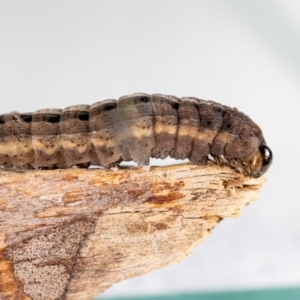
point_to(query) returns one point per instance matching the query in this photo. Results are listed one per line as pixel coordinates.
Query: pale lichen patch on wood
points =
(43, 264)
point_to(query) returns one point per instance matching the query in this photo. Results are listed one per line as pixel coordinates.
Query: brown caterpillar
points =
(136, 127)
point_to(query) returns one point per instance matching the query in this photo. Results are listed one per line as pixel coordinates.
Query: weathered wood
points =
(70, 234)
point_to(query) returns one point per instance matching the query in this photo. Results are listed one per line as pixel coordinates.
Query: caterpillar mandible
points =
(134, 127)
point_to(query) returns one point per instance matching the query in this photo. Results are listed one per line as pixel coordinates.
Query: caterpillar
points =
(134, 128)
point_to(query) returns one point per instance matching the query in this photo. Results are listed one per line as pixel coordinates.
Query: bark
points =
(71, 234)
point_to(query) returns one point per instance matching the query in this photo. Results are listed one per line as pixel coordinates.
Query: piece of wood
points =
(71, 234)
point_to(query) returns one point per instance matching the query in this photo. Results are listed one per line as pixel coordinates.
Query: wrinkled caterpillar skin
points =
(135, 127)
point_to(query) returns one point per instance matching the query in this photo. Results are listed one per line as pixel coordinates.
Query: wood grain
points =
(71, 234)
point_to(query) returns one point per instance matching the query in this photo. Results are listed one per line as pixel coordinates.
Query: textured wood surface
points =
(71, 234)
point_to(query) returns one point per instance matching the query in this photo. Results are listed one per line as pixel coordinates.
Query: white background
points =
(244, 54)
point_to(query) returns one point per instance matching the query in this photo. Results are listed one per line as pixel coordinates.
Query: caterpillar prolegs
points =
(134, 127)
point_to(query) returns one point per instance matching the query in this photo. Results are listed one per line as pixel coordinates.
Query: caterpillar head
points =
(261, 161)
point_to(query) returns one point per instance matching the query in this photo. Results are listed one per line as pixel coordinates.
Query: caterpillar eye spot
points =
(109, 107)
(2, 120)
(53, 118)
(175, 106)
(83, 116)
(145, 99)
(219, 111)
(26, 118)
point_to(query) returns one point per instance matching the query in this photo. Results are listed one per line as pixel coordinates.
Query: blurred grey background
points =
(244, 54)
